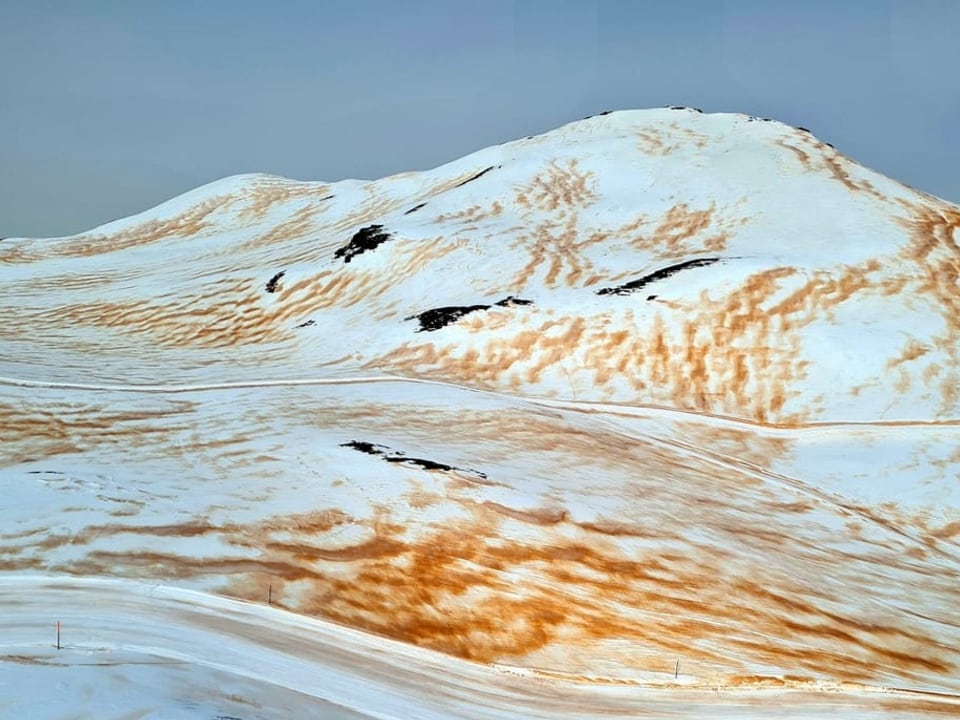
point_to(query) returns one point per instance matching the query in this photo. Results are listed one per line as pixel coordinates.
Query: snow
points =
(146, 650)
(747, 465)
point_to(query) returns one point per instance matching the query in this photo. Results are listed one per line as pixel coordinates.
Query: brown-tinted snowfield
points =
(658, 399)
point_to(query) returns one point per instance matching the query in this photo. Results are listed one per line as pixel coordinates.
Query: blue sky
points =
(110, 107)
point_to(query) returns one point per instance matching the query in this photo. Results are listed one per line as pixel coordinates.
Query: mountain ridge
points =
(477, 157)
(803, 239)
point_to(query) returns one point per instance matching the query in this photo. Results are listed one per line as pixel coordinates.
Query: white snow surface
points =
(652, 415)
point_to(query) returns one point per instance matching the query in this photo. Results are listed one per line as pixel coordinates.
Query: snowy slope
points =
(654, 387)
(165, 653)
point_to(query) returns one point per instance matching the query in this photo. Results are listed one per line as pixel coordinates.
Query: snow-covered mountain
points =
(658, 398)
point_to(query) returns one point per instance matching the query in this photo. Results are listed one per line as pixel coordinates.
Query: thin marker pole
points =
(270, 595)
(58, 634)
(676, 672)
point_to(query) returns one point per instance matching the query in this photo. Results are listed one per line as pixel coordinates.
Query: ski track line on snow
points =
(579, 406)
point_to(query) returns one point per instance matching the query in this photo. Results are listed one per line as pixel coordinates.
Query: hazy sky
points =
(110, 107)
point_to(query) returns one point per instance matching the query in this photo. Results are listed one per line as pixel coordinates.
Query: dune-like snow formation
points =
(653, 413)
